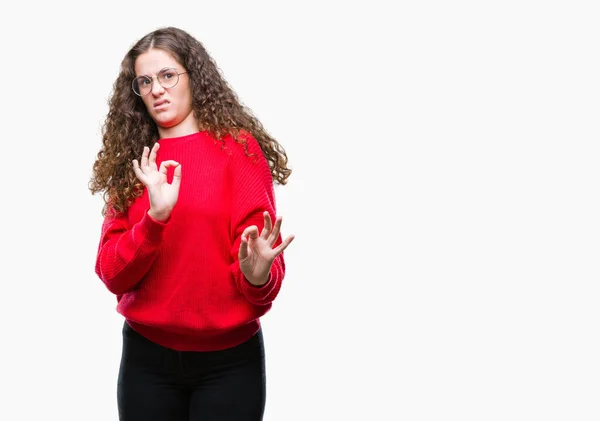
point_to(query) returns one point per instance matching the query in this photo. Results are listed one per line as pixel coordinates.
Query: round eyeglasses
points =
(167, 78)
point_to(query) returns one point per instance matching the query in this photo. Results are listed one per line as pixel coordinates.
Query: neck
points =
(185, 127)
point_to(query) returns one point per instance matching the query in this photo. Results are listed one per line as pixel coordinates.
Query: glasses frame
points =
(152, 80)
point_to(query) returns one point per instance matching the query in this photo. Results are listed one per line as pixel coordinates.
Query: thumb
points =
(243, 253)
(251, 232)
(176, 176)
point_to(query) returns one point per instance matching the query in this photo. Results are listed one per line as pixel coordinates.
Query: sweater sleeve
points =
(252, 194)
(126, 254)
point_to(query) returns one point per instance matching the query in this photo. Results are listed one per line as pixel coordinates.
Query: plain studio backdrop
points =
(444, 200)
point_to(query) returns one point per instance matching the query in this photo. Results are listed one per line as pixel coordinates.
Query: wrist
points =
(258, 282)
(159, 216)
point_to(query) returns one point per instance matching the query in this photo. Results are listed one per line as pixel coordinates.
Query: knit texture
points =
(178, 282)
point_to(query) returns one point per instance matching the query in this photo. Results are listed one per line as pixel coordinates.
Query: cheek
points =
(184, 95)
(148, 104)
(188, 100)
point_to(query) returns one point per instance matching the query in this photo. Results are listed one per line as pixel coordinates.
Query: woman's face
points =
(171, 108)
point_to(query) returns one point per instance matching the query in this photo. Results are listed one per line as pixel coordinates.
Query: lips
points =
(161, 103)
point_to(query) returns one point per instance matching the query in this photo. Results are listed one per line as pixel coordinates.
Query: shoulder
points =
(245, 148)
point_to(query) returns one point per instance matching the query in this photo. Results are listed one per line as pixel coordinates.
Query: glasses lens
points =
(142, 85)
(168, 78)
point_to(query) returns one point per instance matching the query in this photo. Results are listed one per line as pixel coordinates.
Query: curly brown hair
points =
(128, 126)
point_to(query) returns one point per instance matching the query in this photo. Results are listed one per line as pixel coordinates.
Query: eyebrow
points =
(164, 68)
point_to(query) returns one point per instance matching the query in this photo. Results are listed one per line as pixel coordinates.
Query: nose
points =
(157, 88)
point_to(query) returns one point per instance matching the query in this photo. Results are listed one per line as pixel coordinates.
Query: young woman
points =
(188, 243)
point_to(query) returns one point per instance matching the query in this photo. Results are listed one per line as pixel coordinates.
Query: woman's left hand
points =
(256, 254)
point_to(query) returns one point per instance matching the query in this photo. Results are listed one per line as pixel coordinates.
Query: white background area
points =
(444, 200)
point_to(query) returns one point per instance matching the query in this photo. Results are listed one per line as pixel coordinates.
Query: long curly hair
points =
(128, 126)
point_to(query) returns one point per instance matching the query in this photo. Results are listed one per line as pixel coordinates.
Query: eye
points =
(168, 74)
(144, 81)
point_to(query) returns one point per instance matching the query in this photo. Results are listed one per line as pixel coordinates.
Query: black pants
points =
(161, 384)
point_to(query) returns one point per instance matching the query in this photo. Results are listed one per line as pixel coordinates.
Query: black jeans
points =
(161, 384)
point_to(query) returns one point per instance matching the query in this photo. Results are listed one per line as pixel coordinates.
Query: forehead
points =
(153, 61)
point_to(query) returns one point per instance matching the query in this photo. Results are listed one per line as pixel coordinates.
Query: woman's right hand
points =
(163, 196)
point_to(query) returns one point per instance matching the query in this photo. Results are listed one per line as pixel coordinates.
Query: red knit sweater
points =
(179, 283)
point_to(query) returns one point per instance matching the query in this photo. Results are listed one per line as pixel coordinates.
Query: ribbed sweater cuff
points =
(259, 293)
(151, 229)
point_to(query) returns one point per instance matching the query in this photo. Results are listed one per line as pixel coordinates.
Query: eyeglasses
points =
(167, 78)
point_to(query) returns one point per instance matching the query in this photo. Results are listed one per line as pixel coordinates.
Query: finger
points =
(277, 250)
(251, 232)
(166, 164)
(268, 226)
(144, 161)
(138, 172)
(243, 253)
(153, 152)
(177, 176)
(276, 230)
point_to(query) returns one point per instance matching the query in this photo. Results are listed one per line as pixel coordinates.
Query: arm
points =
(252, 196)
(125, 255)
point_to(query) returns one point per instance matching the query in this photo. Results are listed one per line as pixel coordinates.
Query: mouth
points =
(161, 104)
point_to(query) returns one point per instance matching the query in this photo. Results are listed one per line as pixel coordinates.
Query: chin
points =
(168, 125)
(165, 121)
